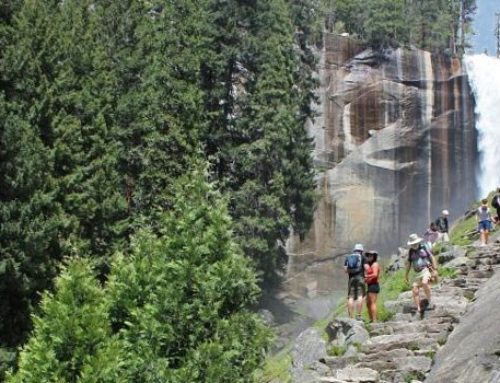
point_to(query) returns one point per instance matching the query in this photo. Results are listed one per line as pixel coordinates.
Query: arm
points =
(407, 271)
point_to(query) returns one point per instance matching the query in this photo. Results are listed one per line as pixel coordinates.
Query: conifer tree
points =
(255, 113)
(168, 312)
(72, 326)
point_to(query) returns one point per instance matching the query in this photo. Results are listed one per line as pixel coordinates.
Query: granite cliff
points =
(395, 143)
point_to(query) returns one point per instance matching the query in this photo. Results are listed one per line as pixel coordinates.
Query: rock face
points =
(396, 143)
(472, 352)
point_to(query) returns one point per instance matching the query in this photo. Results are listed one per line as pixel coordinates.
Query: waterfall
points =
(484, 78)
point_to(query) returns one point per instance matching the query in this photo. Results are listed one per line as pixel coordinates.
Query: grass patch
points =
(276, 367)
(414, 375)
(447, 272)
(336, 350)
(438, 248)
(464, 232)
(391, 285)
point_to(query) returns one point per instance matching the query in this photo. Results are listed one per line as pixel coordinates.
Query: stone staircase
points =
(403, 349)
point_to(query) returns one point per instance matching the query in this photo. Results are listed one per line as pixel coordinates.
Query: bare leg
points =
(350, 307)
(486, 236)
(481, 236)
(372, 306)
(359, 305)
(416, 297)
(427, 290)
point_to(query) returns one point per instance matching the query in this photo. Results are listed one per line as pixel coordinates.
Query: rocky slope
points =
(457, 341)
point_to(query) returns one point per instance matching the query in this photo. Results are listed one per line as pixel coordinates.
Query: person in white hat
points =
(356, 290)
(442, 226)
(424, 265)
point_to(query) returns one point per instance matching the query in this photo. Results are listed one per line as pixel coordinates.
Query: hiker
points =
(431, 235)
(424, 265)
(483, 217)
(354, 267)
(372, 272)
(442, 226)
(495, 202)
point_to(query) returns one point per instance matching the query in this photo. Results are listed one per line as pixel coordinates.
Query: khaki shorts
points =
(443, 237)
(356, 287)
(421, 277)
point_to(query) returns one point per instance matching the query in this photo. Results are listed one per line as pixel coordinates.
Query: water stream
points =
(484, 78)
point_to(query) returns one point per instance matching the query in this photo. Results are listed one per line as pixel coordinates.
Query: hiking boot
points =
(358, 317)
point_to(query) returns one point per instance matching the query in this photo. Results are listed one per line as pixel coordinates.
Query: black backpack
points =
(495, 201)
(354, 263)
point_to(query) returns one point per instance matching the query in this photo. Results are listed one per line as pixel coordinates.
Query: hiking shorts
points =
(356, 287)
(443, 237)
(484, 226)
(423, 276)
(374, 288)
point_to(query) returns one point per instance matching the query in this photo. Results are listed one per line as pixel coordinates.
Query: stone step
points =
(409, 341)
(355, 374)
(434, 325)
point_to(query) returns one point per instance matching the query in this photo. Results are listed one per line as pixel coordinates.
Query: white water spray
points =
(484, 78)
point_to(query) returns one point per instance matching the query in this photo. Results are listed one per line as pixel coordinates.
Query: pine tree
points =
(168, 312)
(72, 326)
(256, 112)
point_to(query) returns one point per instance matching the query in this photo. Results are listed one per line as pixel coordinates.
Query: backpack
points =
(495, 202)
(422, 260)
(354, 263)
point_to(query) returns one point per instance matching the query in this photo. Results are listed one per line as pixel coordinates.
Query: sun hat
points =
(445, 212)
(358, 247)
(413, 239)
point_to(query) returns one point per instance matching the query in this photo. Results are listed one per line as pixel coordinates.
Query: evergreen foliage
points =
(264, 83)
(168, 312)
(437, 25)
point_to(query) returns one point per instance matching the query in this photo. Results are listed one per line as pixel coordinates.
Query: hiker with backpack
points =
(431, 235)
(372, 272)
(442, 226)
(421, 260)
(484, 225)
(495, 202)
(354, 267)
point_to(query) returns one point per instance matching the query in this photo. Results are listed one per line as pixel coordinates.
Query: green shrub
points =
(173, 310)
(336, 350)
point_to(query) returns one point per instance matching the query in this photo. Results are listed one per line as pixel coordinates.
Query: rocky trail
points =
(403, 349)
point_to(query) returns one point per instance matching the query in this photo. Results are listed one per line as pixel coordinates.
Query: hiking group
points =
(364, 271)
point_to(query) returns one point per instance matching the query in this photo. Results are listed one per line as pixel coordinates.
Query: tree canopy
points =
(104, 106)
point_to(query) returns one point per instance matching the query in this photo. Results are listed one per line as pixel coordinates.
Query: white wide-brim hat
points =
(413, 239)
(358, 247)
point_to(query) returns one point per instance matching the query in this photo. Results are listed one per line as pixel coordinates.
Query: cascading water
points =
(484, 78)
